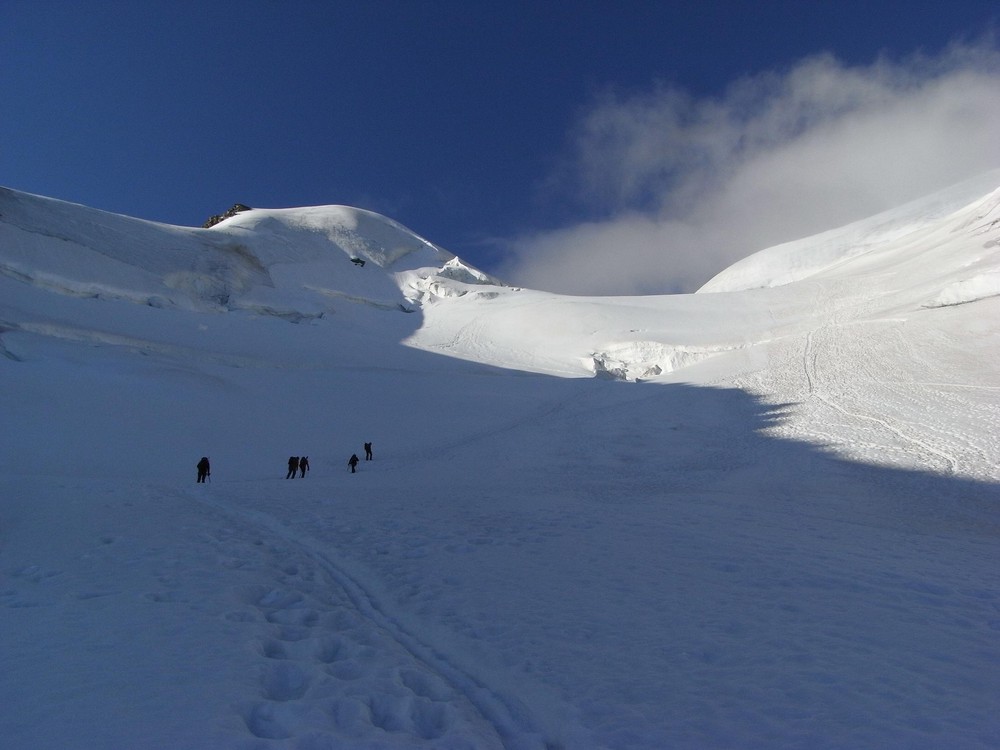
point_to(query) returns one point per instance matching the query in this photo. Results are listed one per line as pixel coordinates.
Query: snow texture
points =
(762, 517)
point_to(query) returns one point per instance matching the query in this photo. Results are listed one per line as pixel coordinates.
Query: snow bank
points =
(643, 360)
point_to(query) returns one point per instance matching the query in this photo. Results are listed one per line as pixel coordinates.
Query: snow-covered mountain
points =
(762, 515)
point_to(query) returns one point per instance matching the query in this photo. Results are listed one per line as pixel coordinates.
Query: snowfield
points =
(766, 515)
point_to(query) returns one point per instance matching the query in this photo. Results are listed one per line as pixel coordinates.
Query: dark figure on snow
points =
(204, 469)
(368, 451)
(303, 466)
(353, 462)
(293, 467)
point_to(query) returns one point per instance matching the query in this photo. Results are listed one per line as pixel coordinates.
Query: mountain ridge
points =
(307, 264)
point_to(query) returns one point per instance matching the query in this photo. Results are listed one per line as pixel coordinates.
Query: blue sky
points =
(581, 147)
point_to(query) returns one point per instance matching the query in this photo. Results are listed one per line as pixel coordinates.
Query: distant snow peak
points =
(296, 264)
(809, 257)
(357, 233)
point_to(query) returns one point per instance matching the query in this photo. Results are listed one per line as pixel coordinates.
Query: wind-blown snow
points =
(968, 290)
(785, 536)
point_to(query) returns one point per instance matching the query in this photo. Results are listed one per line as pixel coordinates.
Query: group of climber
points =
(353, 461)
(297, 465)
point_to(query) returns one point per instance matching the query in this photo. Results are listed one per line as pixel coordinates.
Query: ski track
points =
(865, 406)
(423, 707)
(854, 384)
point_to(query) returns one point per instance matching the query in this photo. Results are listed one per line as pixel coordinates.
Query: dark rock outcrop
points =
(213, 220)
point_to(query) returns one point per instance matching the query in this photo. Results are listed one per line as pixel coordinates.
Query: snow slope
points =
(785, 536)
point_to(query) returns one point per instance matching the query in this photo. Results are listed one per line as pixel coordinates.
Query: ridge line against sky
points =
(607, 149)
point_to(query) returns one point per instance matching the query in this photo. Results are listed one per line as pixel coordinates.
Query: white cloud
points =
(690, 186)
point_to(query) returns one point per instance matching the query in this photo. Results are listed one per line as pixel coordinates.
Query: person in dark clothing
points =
(303, 466)
(368, 451)
(353, 462)
(293, 467)
(204, 469)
